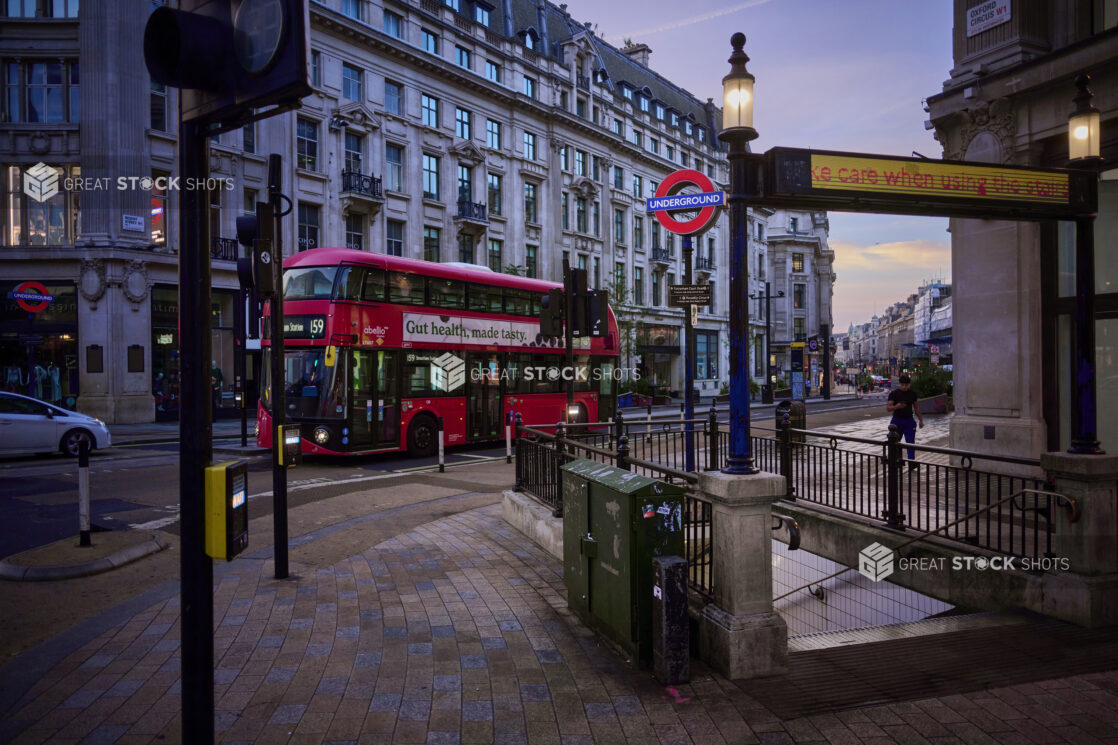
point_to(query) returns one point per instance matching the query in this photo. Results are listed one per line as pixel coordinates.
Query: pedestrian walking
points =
(902, 404)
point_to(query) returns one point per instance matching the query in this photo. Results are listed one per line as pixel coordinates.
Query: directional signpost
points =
(707, 202)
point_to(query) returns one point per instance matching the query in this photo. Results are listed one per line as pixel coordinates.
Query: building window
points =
(644, 104)
(580, 215)
(494, 184)
(465, 183)
(430, 244)
(529, 87)
(530, 266)
(248, 201)
(760, 231)
(706, 355)
(596, 219)
(481, 15)
(638, 286)
(711, 308)
(159, 208)
(529, 146)
(351, 82)
(355, 231)
(462, 57)
(352, 8)
(248, 137)
(618, 226)
(393, 98)
(41, 91)
(430, 176)
(306, 144)
(653, 146)
(530, 203)
(654, 228)
(55, 221)
(308, 226)
(496, 249)
(597, 283)
(565, 210)
(794, 224)
(638, 232)
(429, 105)
(158, 107)
(393, 24)
(669, 153)
(798, 296)
(580, 163)
(394, 235)
(654, 301)
(354, 152)
(393, 167)
(797, 262)
(582, 261)
(618, 177)
(564, 158)
(466, 248)
(596, 171)
(798, 329)
(660, 112)
(493, 134)
(428, 41)
(492, 71)
(316, 68)
(618, 274)
(638, 186)
(635, 138)
(462, 123)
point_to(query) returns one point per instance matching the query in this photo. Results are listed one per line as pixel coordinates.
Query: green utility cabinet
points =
(614, 523)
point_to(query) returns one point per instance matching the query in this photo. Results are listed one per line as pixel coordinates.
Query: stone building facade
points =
(504, 134)
(1007, 101)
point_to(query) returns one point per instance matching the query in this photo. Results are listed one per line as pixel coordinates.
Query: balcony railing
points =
(583, 82)
(355, 182)
(662, 255)
(223, 249)
(476, 211)
(704, 264)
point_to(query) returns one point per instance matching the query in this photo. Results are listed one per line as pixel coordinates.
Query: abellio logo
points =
(40, 182)
(875, 561)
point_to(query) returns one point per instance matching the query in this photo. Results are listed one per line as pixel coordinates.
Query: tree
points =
(630, 327)
(516, 269)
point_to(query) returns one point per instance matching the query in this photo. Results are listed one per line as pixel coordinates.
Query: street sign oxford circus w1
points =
(668, 198)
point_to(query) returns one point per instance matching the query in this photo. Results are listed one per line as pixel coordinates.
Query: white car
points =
(28, 425)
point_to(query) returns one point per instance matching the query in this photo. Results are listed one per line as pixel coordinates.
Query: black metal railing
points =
(223, 249)
(468, 210)
(662, 254)
(704, 264)
(354, 182)
(583, 82)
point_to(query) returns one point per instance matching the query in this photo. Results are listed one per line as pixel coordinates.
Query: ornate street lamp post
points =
(766, 389)
(737, 131)
(1083, 152)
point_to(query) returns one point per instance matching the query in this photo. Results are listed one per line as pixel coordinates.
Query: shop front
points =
(39, 340)
(659, 348)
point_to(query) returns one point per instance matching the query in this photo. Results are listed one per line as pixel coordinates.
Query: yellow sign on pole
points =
(936, 179)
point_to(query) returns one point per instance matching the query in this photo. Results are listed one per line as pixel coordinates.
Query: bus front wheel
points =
(423, 437)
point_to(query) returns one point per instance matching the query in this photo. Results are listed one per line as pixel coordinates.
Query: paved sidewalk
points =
(457, 631)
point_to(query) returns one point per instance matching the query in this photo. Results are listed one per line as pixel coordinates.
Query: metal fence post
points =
(619, 428)
(83, 493)
(519, 469)
(508, 437)
(894, 518)
(623, 452)
(442, 461)
(713, 463)
(648, 424)
(786, 457)
(558, 461)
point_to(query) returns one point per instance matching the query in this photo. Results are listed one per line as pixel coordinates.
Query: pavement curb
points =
(17, 573)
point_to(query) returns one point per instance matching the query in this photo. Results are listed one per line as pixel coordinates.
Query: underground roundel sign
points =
(668, 199)
(32, 296)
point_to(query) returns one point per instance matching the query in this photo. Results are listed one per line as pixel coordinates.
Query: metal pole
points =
(442, 458)
(83, 493)
(239, 372)
(825, 331)
(894, 518)
(1084, 432)
(279, 397)
(568, 335)
(508, 437)
(688, 360)
(768, 337)
(195, 440)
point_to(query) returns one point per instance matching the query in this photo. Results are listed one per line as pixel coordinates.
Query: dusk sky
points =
(847, 75)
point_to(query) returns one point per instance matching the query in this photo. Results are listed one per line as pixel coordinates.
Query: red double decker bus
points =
(377, 347)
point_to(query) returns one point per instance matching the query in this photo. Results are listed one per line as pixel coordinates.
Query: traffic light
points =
(230, 57)
(579, 320)
(597, 312)
(255, 232)
(552, 313)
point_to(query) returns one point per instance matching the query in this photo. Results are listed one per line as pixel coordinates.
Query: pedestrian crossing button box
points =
(226, 501)
(291, 446)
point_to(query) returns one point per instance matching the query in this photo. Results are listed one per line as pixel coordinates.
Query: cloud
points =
(684, 22)
(873, 277)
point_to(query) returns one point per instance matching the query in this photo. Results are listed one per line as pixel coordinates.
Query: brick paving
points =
(457, 632)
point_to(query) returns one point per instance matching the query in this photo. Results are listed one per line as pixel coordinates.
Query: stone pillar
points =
(1088, 592)
(740, 635)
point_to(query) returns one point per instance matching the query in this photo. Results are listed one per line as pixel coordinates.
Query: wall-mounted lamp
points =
(337, 123)
(1083, 126)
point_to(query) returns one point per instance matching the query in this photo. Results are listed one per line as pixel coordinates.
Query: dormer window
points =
(644, 104)
(674, 120)
(660, 112)
(627, 92)
(687, 128)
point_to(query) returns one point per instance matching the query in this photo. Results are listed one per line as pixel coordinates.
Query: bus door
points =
(483, 396)
(374, 416)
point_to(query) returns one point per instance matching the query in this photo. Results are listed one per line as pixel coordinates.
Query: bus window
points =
(434, 373)
(446, 293)
(585, 374)
(516, 379)
(485, 299)
(406, 288)
(537, 305)
(374, 291)
(547, 375)
(350, 282)
(313, 388)
(517, 302)
(309, 283)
